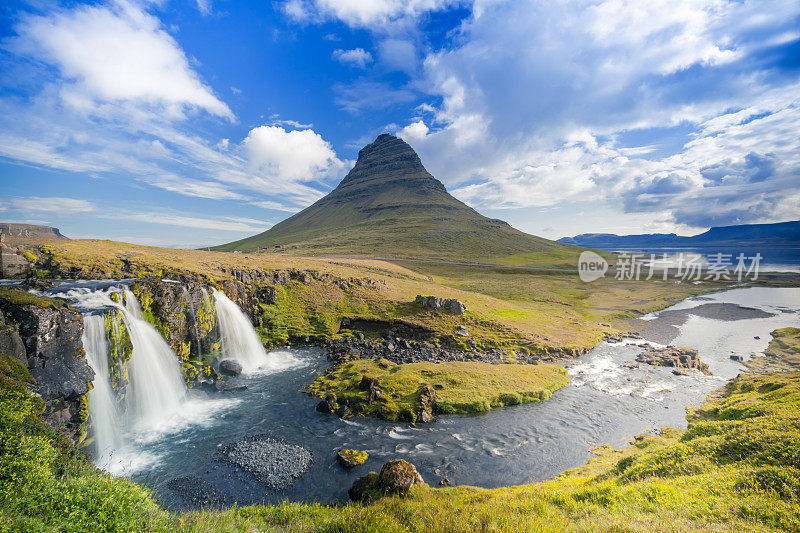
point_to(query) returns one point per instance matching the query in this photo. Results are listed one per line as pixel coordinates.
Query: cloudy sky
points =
(186, 123)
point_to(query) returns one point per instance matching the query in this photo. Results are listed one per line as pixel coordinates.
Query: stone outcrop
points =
(670, 356)
(448, 305)
(396, 477)
(50, 332)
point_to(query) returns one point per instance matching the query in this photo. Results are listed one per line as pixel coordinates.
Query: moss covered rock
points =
(351, 458)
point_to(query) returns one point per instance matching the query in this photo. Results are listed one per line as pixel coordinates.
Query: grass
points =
(782, 354)
(461, 387)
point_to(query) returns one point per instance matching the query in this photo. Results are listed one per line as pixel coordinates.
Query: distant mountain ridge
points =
(389, 205)
(778, 234)
(26, 231)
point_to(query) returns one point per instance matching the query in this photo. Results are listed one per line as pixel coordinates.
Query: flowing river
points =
(606, 402)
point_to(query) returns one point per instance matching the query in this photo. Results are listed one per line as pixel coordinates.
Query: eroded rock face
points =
(448, 305)
(396, 477)
(53, 352)
(672, 356)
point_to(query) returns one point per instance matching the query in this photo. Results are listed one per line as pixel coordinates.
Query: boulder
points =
(450, 305)
(230, 367)
(427, 403)
(396, 477)
(462, 331)
(351, 458)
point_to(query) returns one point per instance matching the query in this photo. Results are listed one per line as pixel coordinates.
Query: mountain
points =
(16, 231)
(388, 205)
(780, 234)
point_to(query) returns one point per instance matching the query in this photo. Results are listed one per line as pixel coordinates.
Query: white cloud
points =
(361, 13)
(117, 53)
(414, 131)
(123, 109)
(290, 156)
(65, 206)
(356, 57)
(529, 106)
(399, 54)
(204, 6)
(219, 224)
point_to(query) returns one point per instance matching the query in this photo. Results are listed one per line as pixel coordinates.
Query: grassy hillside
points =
(390, 206)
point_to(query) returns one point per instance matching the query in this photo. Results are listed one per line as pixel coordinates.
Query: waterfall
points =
(156, 388)
(102, 403)
(239, 340)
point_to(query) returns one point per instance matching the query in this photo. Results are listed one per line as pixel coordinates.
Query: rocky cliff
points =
(44, 335)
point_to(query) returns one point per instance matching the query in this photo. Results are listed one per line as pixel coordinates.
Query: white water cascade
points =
(156, 388)
(102, 403)
(240, 341)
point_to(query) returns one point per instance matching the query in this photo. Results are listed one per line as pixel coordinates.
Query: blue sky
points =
(187, 123)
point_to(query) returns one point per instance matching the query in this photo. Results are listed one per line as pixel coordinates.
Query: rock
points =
(362, 487)
(52, 349)
(671, 356)
(351, 458)
(737, 358)
(427, 403)
(343, 411)
(679, 372)
(450, 305)
(196, 491)
(272, 461)
(462, 331)
(230, 367)
(344, 285)
(367, 383)
(396, 477)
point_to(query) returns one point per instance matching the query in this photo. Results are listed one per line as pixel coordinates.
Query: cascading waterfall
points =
(102, 403)
(240, 341)
(156, 387)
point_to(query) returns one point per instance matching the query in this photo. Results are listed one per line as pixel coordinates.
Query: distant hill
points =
(14, 231)
(390, 206)
(780, 234)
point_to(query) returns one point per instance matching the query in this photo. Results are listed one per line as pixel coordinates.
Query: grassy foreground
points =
(460, 387)
(736, 468)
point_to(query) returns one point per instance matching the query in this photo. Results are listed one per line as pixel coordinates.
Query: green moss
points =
(20, 297)
(461, 387)
(120, 351)
(30, 257)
